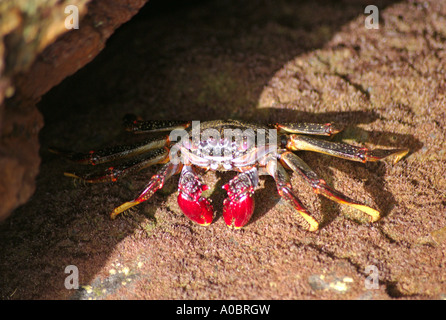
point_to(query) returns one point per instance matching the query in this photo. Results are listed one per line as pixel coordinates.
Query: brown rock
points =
(36, 53)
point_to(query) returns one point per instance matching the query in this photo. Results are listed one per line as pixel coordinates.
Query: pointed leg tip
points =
(54, 150)
(71, 175)
(374, 215)
(334, 128)
(314, 226)
(380, 154)
(123, 207)
(400, 154)
(61, 152)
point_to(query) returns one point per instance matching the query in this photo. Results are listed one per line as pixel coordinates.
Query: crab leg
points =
(111, 174)
(343, 150)
(133, 124)
(326, 129)
(320, 186)
(113, 153)
(156, 182)
(239, 206)
(193, 205)
(284, 189)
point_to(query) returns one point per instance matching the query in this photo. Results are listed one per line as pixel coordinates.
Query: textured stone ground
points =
(271, 61)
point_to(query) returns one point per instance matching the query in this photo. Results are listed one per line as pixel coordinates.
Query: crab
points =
(250, 149)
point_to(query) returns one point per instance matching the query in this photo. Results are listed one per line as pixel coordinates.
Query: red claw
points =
(195, 207)
(239, 206)
(199, 211)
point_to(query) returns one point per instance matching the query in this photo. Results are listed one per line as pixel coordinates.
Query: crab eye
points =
(214, 165)
(248, 142)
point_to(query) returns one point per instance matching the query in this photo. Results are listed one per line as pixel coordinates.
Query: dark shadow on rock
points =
(268, 196)
(60, 225)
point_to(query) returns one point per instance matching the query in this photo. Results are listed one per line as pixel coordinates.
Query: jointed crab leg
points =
(320, 186)
(113, 173)
(156, 182)
(342, 150)
(284, 189)
(113, 153)
(326, 129)
(132, 124)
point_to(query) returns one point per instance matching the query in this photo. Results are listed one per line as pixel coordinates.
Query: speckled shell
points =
(228, 145)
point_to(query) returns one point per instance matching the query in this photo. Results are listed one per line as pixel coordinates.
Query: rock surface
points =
(37, 52)
(274, 61)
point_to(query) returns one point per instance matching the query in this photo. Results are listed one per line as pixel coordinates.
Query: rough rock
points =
(37, 51)
(280, 60)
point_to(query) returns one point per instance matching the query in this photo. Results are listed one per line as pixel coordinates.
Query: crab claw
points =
(193, 205)
(239, 206)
